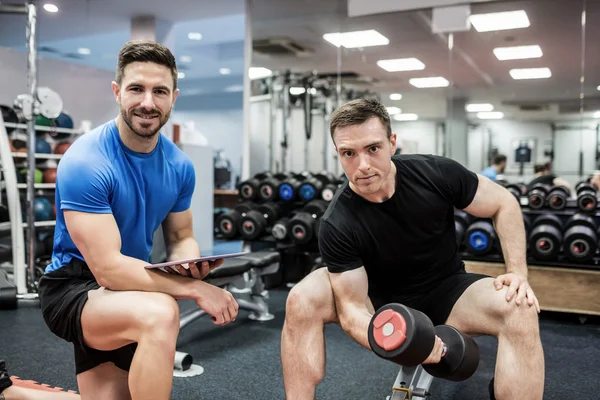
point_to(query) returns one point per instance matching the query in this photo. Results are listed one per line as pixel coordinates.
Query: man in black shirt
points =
(543, 175)
(388, 236)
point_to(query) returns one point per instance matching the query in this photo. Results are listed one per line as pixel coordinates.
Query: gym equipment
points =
(18, 142)
(43, 209)
(526, 223)
(280, 229)
(244, 278)
(581, 240)
(546, 237)
(268, 189)
(461, 221)
(62, 121)
(228, 222)
(289, 189)
(42, 147)
(407, 337)
(9, 298)
(557, 198)
(222, 170)
(313, 186)
(537, 196)
(9, 115)
(304, 225)
(248, 189)
(256, 222)
(517, 190)
(586, 197)
(49, 175)
(481, 237)
(22, 176)
(61, 148)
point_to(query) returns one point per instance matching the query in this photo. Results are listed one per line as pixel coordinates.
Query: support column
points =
(457, 128)
(247, 92)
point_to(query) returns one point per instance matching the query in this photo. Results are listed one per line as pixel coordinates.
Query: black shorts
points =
(63, 294)
(437, 302)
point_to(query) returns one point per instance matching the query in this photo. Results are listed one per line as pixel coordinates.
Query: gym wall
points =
(70, 80)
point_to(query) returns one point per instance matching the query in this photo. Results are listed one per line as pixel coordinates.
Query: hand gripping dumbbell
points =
(557, 197)
(248, 190)
(537, 196)
(546, 237)
(461, 221)
(407, 337)
(586, 197)
(581, 240)
(304, 226)
(227, 223)
(481, 237)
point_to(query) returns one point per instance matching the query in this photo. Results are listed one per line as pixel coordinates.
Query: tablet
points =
(197, 260)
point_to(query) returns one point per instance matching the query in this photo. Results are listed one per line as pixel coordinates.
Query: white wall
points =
(85, 91)
(223, 129)
(416, 137)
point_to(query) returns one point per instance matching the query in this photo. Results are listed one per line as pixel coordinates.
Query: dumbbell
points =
(517, 190)
(557, 198)
(461, 221)
(304, 226)
(228, 222)
(481, 237)
(289, 189)
(268, 190)
(280, 229)
(256, 222)
(546, 237)
(526, 224)
(312, 187)
(407, 337)
(537, 196)
(248, 189)
(586, 196)
(581, 240)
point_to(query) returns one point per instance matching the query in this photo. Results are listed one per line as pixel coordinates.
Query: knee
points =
(521, 321)
(159, 315)
(310, 301)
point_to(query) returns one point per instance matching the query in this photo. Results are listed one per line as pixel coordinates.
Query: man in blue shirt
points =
(497, 167)
(114, 187)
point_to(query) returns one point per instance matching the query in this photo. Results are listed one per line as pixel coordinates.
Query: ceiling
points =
(104, 25)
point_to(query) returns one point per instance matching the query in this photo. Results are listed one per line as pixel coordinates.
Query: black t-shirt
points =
(407, 242)
(545, 179)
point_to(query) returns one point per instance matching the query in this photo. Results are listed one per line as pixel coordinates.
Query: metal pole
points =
(32, 85)
(285, 118)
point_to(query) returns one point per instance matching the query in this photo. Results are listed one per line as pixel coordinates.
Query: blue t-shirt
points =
(490, 172)
(99, 174)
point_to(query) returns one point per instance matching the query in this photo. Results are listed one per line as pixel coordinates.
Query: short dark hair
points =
(499, 159)
(145, 51)
(358, 112)
(541, 168)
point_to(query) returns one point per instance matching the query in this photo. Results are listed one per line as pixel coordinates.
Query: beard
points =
(145, 130)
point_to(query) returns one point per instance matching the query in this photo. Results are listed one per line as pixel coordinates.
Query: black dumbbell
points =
(248, 189)
(461, 221)
(537, 196)
(407, 337)
(517, 190)
(268, 190)
(304, 226)
(481, 237)
(557, 197)
(581, 240)
(280, 229)
(527, 224)
(586, 197)
(259, 221)
(228, 223)
(546, 237)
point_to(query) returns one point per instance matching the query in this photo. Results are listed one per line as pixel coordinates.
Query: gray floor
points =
(242, 359)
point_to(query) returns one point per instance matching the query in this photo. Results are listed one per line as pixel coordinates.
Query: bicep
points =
(350, 288)
(488, 199)
(178, 225)
(96, 236)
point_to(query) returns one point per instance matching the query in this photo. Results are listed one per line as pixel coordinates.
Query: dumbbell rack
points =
(16, 225)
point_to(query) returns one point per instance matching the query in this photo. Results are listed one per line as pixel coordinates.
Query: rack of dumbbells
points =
(281, 211)
(562, 228)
